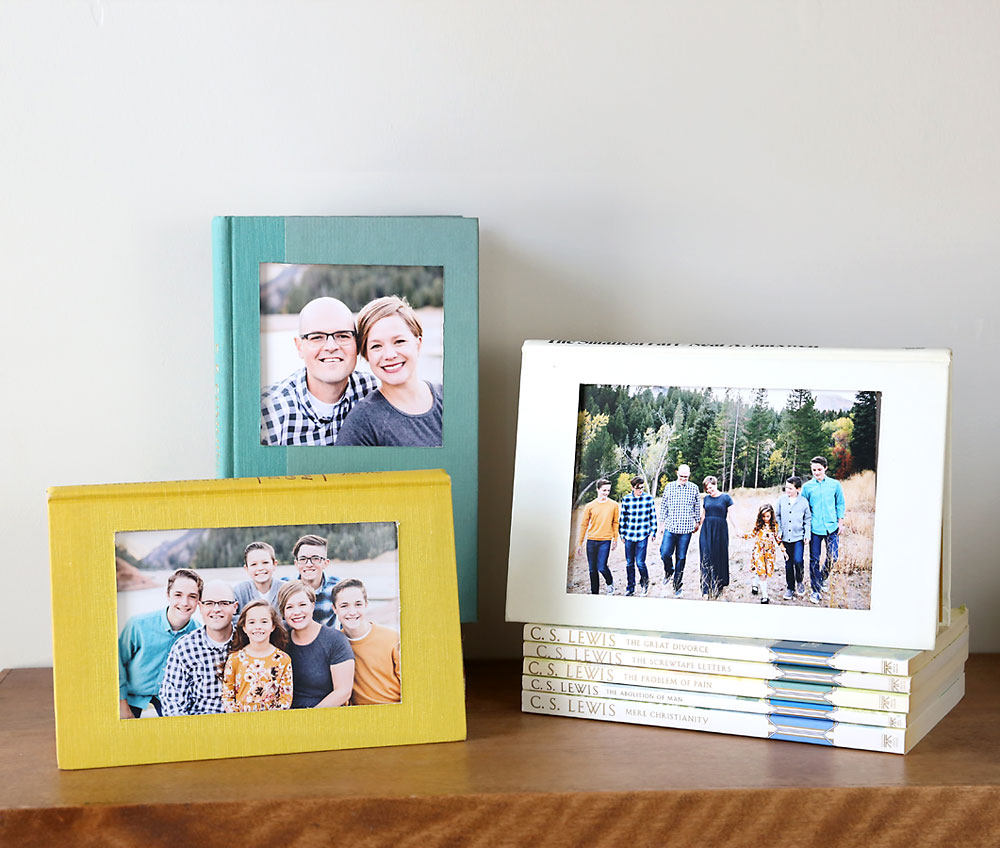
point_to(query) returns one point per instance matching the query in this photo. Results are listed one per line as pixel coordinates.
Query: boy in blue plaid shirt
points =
(637, 525)
(310, 557)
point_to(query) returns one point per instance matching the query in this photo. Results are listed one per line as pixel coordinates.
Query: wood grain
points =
(519, 779)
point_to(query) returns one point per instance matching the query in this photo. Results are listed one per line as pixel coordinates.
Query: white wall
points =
(773, 172)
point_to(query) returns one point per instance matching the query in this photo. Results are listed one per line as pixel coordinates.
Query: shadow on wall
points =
(523, 297)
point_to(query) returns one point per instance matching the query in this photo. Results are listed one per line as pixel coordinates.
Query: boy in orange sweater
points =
(599, 528)
(377, 674)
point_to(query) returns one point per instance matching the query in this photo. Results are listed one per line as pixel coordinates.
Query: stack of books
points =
(875, 699)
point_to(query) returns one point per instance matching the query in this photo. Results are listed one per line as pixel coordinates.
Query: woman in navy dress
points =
(714, 540)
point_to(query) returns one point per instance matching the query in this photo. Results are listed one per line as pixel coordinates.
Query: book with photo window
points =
(665, 487)
(162, 667)
(347, 344)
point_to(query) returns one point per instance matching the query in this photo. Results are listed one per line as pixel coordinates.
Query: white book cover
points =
(932, 682)
(739, 425)
(741, 668)
(777, 727)
(828, 655)
(736, 703)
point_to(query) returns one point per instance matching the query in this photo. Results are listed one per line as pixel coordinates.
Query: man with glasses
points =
(680, 517)
(637, 525)
(310, 556)
(309, 406)
(192, 680)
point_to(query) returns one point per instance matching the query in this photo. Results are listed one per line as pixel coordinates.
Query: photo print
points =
(738, 495)
(250, 619)
(351, 355)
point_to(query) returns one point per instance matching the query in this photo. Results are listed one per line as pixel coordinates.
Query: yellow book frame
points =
(83, 521)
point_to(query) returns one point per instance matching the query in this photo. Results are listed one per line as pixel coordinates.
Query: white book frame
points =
(911, 556)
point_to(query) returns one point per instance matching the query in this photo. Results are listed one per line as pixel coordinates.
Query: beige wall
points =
(796, 173)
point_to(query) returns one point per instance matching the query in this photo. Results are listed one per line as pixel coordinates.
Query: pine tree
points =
(757, 430)
(713, 454)
(802, 435)
(598, 460)
(617, 428)
(736, 440)
(696, 445)
(864, 441)
(679, 416)
(639, 416)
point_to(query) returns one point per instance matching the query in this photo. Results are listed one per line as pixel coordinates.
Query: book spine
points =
(659, 643)
(861, 699)
(841, 657)
(712, 665)
(938, 357)
(736, 703)
(659, 678)
(647, 659)
(783, 728)
(845, 659)
(222, 282)
(853, 679)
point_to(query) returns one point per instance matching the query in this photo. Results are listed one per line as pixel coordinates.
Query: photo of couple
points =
(783, 510)
(351, 355)
(225, 627)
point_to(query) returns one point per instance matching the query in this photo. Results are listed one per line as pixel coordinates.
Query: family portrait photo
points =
(247, 619)
(351, 355)
(739, 495)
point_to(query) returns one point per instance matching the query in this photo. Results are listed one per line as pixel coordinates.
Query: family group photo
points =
(351, 355)
(725, 494)
(247, 619)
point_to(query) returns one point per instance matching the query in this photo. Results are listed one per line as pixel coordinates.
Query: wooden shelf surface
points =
(518, 778)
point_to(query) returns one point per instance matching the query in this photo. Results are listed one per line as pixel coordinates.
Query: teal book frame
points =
(242, 244)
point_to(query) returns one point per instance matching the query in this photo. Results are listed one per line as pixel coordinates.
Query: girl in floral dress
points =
(766, 538)
(258, 673)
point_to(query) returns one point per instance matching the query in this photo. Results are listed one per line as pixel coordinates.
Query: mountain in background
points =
(175, 554)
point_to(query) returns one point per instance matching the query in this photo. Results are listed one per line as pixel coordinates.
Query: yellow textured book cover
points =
(146, 577)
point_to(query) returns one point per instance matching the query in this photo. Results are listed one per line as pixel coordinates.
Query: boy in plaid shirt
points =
(310, 557)
(637, 525)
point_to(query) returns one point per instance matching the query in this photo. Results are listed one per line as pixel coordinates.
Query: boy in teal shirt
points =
(146, 640)
(826, 503)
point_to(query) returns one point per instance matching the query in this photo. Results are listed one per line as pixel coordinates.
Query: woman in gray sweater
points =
(405, 410)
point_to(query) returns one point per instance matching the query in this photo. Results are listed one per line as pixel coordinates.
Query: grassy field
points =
(850, 579)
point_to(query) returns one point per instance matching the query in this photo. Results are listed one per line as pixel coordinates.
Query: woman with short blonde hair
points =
(405, 410)
(322, 659)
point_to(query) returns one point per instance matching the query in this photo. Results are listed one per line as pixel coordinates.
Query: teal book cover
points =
(351, 344)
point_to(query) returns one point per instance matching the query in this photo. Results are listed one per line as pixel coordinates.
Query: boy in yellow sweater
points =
(377, 675)
(599, 528)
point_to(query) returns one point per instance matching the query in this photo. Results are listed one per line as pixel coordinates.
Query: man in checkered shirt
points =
(637, 525)
(680, 516)
(192, 679)
(309, 406)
